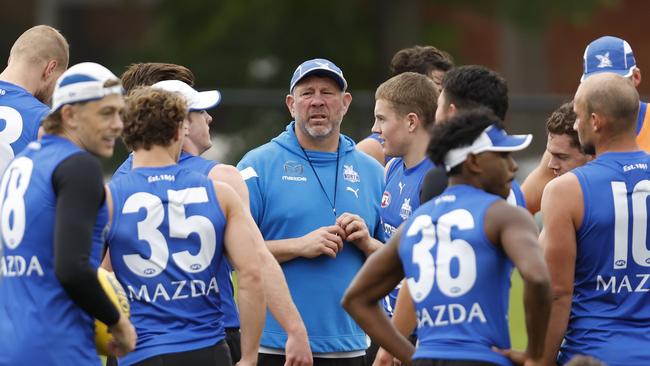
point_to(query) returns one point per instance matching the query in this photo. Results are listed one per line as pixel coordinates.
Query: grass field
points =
(516, 314)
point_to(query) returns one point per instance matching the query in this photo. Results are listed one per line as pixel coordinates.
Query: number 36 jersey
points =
(459, 281)
(166, 241)
(610, 313)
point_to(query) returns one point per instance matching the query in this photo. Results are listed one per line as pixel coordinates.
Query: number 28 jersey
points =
(459, 281)
(610, 313)
(166, 242)
(39, 323)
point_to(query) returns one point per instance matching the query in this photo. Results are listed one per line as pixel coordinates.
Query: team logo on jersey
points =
(293, 168)
(385, 199)
(294, 171)
(604, 61)
(405, 210)
(401, 187)
(350, 175)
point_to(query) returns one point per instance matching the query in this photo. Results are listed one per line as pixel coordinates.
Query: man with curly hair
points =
(190, 222)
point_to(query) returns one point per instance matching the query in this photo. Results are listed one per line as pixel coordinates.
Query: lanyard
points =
(336, 179)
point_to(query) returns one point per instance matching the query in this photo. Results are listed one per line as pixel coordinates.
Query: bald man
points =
(595, 234)
(37, 58)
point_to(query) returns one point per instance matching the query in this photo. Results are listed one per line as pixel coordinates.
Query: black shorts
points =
(265, 359)
(233, 338)
(429, 362)
(219, 354)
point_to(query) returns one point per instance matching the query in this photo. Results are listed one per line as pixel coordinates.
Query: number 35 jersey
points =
(610, 313)
(459, 281)
(166, 241)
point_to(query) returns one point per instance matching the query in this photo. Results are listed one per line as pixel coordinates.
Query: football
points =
(116, 293)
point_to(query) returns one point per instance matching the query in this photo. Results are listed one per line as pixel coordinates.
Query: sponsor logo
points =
(294, 172)
(175, 290)
(401, 187)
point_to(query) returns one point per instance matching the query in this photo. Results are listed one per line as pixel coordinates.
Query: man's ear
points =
(413, 121)
(347, 100)
(68, 114)
(636, 77)
(290, 100)
(49, 68)
(472, 164)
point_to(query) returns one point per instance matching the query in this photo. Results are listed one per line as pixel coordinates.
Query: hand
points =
(383, 358)
(518, 357)
(356, 231)
(297, 350)
(124, 337)
(326, 240)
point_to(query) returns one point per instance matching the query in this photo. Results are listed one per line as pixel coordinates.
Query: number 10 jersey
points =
(459, 281)
(610, 311)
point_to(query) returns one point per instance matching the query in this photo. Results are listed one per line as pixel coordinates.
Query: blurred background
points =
(249, 49)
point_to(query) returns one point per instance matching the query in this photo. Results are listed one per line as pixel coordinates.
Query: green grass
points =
(518, 335)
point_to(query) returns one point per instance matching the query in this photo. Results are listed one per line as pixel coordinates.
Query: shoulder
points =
(226, 196)
(365, 161)
(562, 196)
(260, 154)
(81, 162)
(565, 184)
(226, 173)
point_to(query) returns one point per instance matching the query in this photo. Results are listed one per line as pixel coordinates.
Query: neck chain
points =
(336, 179)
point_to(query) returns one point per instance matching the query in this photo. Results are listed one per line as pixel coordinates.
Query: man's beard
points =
(588, 148)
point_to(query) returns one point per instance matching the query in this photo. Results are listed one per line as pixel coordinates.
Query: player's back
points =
(166, 241)
(39, 323)
(458, 279)
(22, 114)
(610, 314)
(203, 166)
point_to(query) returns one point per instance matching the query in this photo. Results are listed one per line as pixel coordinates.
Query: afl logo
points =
(385, 199)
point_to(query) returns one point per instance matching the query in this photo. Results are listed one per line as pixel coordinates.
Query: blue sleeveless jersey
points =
(20, 116)
(610, 313)
(204, 166)
(166, 242)
(458, 279)
(39, 323)
(401, 197)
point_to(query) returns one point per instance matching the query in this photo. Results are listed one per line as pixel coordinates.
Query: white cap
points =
(493, 138)
(196, 101)
(82, 83)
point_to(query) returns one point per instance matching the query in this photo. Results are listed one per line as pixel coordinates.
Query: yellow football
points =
(116, 293)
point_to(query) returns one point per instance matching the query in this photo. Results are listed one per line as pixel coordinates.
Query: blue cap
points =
(493, 138)
(321, 67)
(608, 54)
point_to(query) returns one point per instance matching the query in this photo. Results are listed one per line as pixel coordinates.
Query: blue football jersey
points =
(401, 197)
(166, 243)
(610, 313)
(39, 323)
(459, 281)
(204, 166)
(20, 116)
